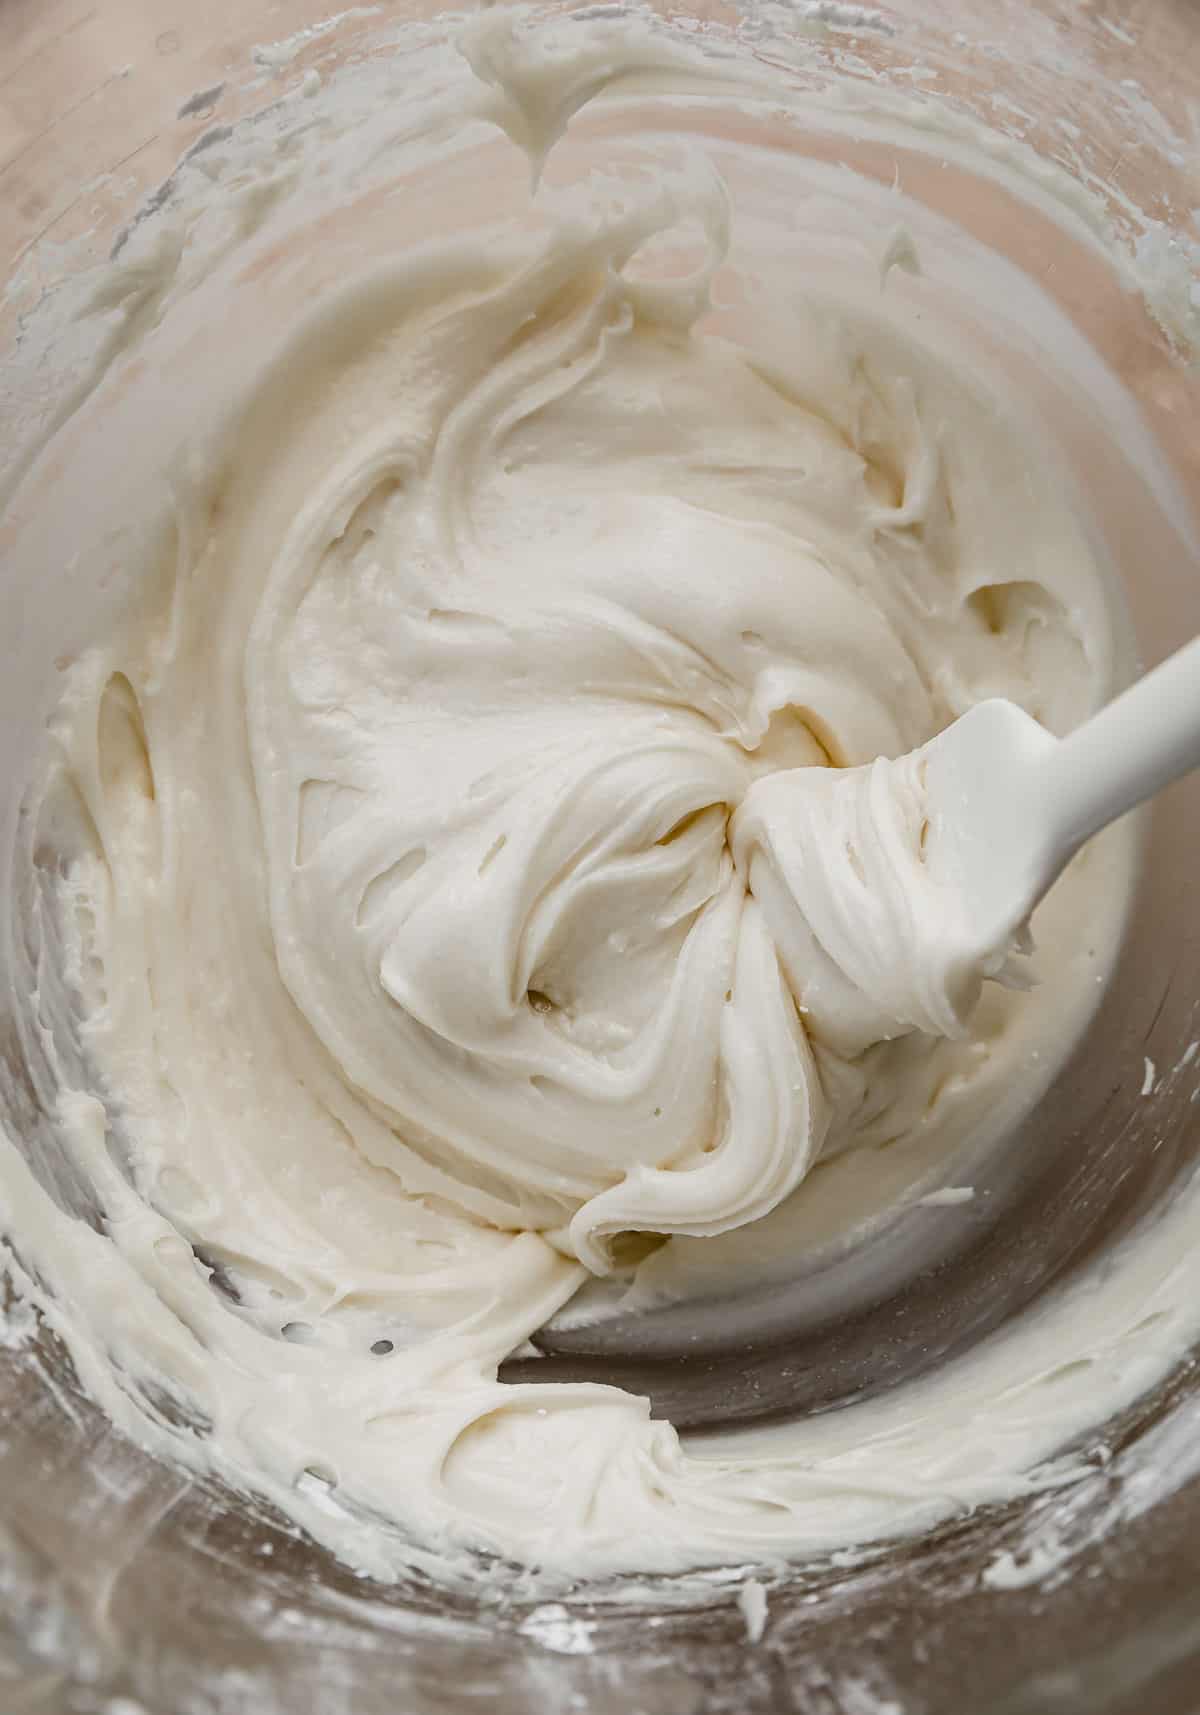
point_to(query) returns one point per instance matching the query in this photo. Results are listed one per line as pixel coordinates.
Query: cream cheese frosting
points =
(440, 907)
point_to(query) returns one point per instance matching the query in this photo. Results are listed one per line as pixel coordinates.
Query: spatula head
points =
(989, 843)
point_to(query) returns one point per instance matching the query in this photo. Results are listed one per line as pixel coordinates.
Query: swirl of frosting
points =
(520, 655)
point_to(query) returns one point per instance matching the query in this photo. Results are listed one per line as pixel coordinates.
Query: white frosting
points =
(443, 902)
(872, 946)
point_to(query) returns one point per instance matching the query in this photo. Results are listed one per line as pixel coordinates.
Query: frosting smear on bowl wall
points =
(417, 911)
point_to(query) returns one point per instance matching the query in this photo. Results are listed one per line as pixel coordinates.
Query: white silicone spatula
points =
(1012, 804)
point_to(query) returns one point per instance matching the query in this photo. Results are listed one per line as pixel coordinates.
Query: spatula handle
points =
(1136, 745)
